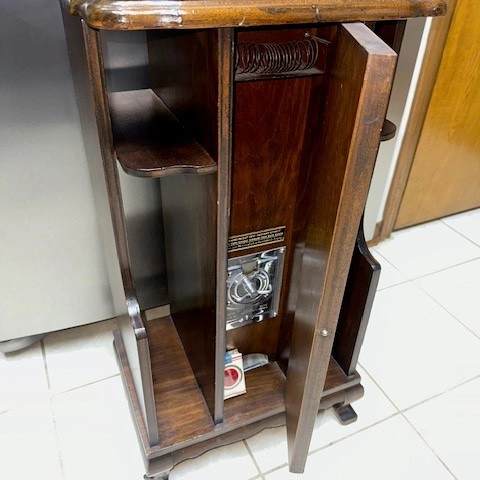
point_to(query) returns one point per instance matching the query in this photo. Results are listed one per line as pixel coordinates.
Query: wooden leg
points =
(345, 413)
(158, 476)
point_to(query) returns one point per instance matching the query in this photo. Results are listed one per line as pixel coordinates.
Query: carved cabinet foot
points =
(158, 476)
(345, 414)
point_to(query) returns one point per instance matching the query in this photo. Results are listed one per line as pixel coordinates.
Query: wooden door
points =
(445, 174)
(359, 87)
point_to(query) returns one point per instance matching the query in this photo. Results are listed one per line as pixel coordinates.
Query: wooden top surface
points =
(151, 14)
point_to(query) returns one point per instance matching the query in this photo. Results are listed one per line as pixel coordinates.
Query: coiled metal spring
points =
(276, 58)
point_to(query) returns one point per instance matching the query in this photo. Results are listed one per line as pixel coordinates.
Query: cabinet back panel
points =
(270, 171)
(184, 74)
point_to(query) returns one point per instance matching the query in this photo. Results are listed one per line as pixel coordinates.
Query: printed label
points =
(253, 239)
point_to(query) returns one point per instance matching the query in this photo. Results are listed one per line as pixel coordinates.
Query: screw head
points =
(324, 332)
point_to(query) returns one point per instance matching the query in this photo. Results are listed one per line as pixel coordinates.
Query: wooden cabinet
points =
(264, 140)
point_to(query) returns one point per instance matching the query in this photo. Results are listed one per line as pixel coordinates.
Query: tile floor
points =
(62, 400)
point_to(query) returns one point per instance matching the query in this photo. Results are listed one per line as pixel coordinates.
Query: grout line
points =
(447, 311)
(54, 418)
(460, 233)
(274, 469)
(45, 364)
(407, 280)
(446, 268)
(382, 261)
(86, 384)
(257, 477)
(439, 394)
(379, 387)
(429, 447)
(252, 457)
(367, 427)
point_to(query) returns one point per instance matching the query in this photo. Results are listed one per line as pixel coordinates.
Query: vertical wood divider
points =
(225, 106)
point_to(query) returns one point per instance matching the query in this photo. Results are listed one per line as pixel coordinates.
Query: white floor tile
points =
(79, 356)
(391, 450)
(23, 380)
(373, 407)
(425, 249)
(450, 424)
(389, 275)
(232, 462)
(28, 446)
(270, 446)
(414, 349)
(457, 289)
(96, 434)
(467, 223)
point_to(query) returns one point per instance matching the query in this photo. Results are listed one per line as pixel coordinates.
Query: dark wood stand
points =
(269, 128)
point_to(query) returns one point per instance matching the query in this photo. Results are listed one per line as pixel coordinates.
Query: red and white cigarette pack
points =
(234, 374)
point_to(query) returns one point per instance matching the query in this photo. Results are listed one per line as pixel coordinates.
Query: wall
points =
(398, 111)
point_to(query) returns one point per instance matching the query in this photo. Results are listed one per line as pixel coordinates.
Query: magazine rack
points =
(264, 140)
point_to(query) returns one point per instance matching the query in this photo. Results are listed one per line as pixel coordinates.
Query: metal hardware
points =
(253, 287)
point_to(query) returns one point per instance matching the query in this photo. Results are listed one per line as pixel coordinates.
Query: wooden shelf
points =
(182, 414)
(388, 130)
(149, 141)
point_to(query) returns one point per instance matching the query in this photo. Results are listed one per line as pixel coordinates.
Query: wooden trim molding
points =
(142, 15)
(426, 82)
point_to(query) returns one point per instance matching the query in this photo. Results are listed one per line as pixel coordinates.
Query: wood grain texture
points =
(269, 157)
(193, 73)
(433, 56)
(225, 66)
(266, 165)
(445, 174)
(354, 113)
(184, 73)
(144, 15)
(182, 412)
(149, 141)
(183, 416)
(189, 214)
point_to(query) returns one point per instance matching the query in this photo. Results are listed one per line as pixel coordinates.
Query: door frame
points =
(426, 83)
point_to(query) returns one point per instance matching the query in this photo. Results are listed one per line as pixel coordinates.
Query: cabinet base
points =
(160, 461)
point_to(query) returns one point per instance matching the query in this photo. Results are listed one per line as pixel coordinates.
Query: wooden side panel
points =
(445, 175)
(356, 102)
(356, 306)
(87, 68)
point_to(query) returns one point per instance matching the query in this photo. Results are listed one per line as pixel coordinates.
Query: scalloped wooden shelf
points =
(149, 141)
(388, 130)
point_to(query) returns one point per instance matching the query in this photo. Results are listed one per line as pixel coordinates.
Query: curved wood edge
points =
(143, 15)
(164, 171)
(162, 465)
(388, 131)
(148, 139)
